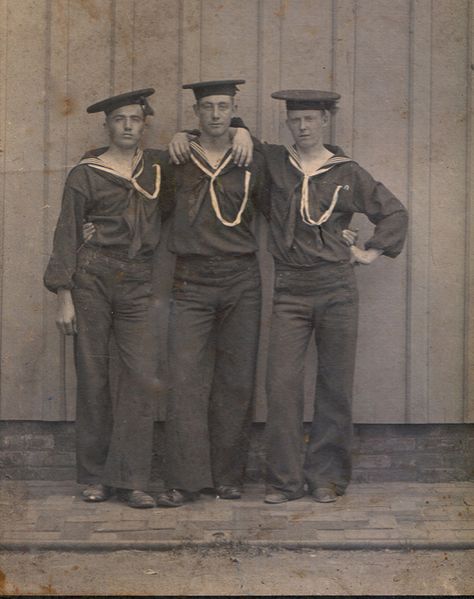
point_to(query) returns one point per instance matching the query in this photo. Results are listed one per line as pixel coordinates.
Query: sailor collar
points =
(97, 163)
(295, 161)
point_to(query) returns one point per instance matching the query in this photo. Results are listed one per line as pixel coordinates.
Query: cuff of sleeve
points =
(237, 123)
(194, 132)
(390, 252)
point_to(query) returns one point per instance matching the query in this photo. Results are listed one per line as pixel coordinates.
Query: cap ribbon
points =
(214, 200)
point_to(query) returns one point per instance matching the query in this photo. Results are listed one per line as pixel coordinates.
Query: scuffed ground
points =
(239, 571)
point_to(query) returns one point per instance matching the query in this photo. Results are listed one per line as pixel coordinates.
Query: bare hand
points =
(88, 231)
(66, 315)
(242, 146)
(364, 256)
(350, 236)
(179, 149)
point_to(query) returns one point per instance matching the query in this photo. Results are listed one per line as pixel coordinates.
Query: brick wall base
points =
(382, 452)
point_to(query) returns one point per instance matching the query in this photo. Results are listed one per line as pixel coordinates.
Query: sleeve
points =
(385, 211)
(67, 238)
(261, 190)
(237, 123)
(168, 185)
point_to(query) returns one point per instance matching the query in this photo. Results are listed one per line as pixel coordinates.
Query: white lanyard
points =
(304, 205)
(214, 201)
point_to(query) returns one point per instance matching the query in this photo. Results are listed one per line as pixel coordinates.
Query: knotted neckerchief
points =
(198, 156)
(135, 213)
(305, 184)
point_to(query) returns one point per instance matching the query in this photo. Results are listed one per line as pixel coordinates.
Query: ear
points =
(195, 109)
(234, 108)
(325, 117)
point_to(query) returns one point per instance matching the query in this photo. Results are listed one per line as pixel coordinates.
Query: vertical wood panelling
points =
(190, 68)
(306, 47)
(229, 49)
(469, 291)
(343, 75)
(22, 330)
(156, 63)
(419, 238)
(401, 68)
(380, 145)
(55, 139)
(123, 45)
(448, 210)
(88, 74)
(3, 158)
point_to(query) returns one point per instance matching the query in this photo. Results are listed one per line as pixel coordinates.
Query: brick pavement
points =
(50, 515)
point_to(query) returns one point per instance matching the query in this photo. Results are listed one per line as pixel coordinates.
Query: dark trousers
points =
(214, 328)
(322, 299)
(114, 439)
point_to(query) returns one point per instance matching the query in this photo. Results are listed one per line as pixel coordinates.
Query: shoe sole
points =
(329, 500)
(163, 504)
(284, 500)
(94, 498)
(138, 506)
(229, 497)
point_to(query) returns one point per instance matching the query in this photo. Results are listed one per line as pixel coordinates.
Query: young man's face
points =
(214, 114)
(307, 126)
(125, 126)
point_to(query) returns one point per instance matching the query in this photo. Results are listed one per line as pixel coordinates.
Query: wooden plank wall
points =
(402, 67)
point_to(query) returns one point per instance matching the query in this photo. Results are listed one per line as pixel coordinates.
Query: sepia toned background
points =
(403, 68)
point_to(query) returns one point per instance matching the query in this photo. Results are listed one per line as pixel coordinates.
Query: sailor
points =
(103, 286)
(315, 189)
(215, 307)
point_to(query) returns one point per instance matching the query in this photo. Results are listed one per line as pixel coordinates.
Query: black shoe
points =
(135, 498)
(175, 498)
(96, 493)
(228, 492)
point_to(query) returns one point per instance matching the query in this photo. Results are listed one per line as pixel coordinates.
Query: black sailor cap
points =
(307, 99)
(138, 96)
(222, 87)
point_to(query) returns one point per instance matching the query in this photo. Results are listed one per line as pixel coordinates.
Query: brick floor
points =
(47, 515)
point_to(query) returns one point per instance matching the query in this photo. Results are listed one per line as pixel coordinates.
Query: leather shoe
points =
(227, 492)
(175, 498)
(135, 498)
(96, 493)
(324, 495)
(281, 497)
(276, 498)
